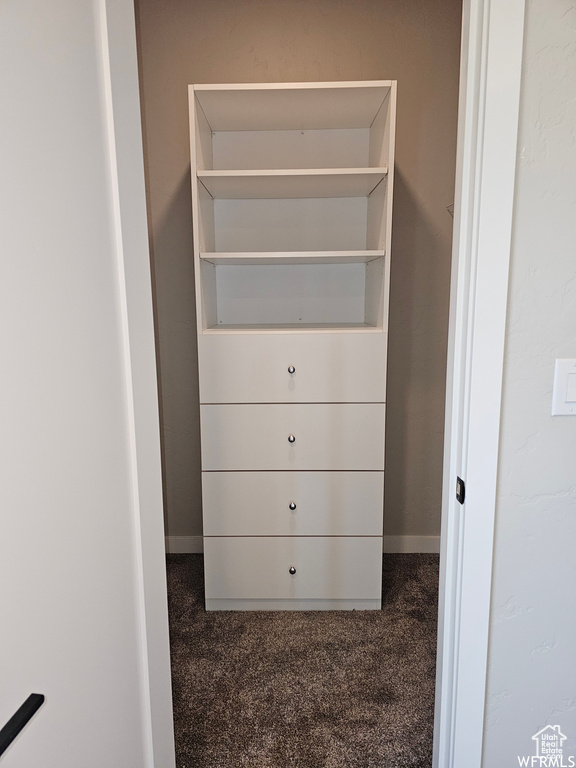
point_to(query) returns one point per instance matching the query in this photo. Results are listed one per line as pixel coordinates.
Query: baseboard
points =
(179, 545)
(183, 545)
(405, 544)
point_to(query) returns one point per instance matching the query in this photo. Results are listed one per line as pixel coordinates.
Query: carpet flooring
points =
(332, 689)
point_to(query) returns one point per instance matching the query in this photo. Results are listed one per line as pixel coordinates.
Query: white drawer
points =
(333, 568)
(327, 436)
(253, 368)
(324, 503)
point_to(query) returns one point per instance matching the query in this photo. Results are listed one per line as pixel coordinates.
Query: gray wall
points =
(532, 663)
(219, 41)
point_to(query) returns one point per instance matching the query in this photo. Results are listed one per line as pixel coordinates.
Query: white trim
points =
(183, 545)
(121, 108)
(491, 67)
(422, 544)
(233, 604)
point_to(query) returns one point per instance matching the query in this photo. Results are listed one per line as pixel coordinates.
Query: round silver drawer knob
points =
(292, 570)
(291, 439)
(292, 505)
(291, 369)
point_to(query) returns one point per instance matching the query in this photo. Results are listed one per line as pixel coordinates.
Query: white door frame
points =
(126, 163)
(488, 119)
(490, 75)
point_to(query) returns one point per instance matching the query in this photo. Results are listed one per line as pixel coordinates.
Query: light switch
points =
(564, 392)
(571, 388)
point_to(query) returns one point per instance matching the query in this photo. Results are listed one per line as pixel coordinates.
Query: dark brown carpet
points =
(331, 689)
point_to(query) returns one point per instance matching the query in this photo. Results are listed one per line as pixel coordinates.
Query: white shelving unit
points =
(292, 202)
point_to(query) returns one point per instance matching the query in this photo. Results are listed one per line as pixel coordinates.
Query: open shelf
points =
(291, 183)
(295, 106)
(295, 328)
(292, 201)
(291, 206)
(291, 257)
(293, 294)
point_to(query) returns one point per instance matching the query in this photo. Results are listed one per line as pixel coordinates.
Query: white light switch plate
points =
(564, 392)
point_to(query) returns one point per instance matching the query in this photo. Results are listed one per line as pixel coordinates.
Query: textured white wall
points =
(532, 657)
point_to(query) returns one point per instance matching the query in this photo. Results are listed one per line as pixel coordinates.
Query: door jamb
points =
(490, 77)
(491, 63)
(121, 110)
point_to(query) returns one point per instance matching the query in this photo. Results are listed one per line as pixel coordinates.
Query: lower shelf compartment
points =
(293, 573)
(283, 294)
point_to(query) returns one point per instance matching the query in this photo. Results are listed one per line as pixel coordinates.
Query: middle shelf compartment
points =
(286, 222)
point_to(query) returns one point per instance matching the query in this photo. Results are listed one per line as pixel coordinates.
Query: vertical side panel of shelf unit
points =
(202, 216)
(390, 142)
(379, 219)
(379, 135)
(376, 300)
(208, 290)
(203, 132)
(195, 208)
(207, 274)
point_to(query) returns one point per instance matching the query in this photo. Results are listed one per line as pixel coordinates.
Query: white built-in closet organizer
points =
(292, 203)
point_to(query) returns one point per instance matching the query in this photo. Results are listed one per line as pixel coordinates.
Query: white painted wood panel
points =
(329, 367)
(343, 568)
(292, 224)
(291, 149)
(279, 328)
(334, 436)
(376, 219)
(83, 609)
(290, 183)
(376, 295)
(285, 106)
(291, 257)
(300, 604)
(379, 136)
(203, 135)
(208, 295)
(205, 220)
(326, 503)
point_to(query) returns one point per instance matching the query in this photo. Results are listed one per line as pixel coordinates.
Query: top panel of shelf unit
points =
(292, 106)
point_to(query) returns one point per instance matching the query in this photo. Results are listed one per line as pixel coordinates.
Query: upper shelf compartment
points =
(261, 184)
(291, 126)
(292, 106)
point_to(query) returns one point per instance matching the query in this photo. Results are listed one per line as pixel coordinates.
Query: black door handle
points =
(19, 720)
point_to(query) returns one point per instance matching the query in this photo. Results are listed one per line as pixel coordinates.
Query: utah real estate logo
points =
(549, 750)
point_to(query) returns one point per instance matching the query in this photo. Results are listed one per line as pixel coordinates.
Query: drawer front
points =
(338, 568)
(326, 436)
(253, 368)
(292, 503)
